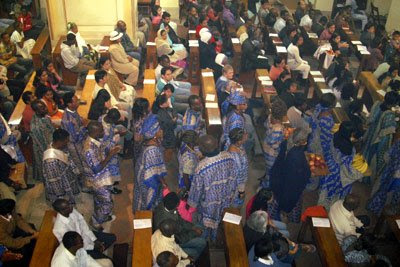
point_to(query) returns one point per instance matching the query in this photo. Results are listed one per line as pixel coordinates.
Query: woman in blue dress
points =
(150, 169)
(187, 158)
(274, 136)
(140, 111)
(238, 137)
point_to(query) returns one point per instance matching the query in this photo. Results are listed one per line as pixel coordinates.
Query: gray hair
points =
(298, 136)
(258, 221)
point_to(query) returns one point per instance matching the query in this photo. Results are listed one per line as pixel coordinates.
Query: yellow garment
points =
(359, 163)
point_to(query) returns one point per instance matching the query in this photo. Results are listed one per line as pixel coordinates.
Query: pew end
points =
(141, 248)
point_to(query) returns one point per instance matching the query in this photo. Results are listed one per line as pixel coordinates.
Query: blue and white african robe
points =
(110, 139)
(231, 121)
(188, 161)
(9, 141)
(193, 120)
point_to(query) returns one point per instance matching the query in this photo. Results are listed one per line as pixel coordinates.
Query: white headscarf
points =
(243, 37)
(219, 59)
(205, 37)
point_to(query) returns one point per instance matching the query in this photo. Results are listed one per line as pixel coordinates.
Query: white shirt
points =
(70, 55)
(280, 23)
(17, 37)
(63, 258)
(344, 223)
(160, 243)
(158, 72)
(97, 88)
(306, 21)
(75, 222)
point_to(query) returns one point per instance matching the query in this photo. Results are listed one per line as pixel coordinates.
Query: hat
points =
(205, 36)
(114, 35)
(219, 59)
(150, 126)
(236, 98)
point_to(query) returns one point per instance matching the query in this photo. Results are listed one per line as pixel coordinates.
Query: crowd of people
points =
(74, 155)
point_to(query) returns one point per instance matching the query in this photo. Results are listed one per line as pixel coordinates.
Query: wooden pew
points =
(194, 60)
(237, 54)
(149, 87)
(257, 83)
(87, 94)
(46, 243)
(267, 90)
(151, 55)
(69, 77)
(369, 87)
(362, 57)
(141, 248)
(212, 115)
(42, 44)
(235, 246)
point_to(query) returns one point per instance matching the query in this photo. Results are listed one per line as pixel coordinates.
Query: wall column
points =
(392, 22)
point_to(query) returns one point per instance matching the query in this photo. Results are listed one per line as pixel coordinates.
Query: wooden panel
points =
(151, 56)
(46, 243)
(370, 85)
(141, 248)
(391, 219)
(257, 82)
(235, 246)
(87, 95)
(149, 90)
(42, 42)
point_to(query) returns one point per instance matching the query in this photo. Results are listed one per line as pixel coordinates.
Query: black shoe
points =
(28, 186)
(116, 191)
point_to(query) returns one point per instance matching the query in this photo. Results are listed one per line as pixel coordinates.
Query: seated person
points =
(13, 87)
(207, 50)
(54, 113)
(164, 61)
(326, 34)
(295, 62)
(157, 15)
(356, 13)
(72, 58)
(176, 53)
(16, 234)
(319, 26)
(166, 22)
(163, 239)
(262, 254)
(223, 81)
(83, 47)
(252, 57)
(343, 220)
(24, 47)
(368, 35)
(187, 235)
(167, 259)
(71, 252)
(31, 27)
(69, 219)
(278, 67)
(130, 49)
(288, 96)
(282, 84)
(193, 18)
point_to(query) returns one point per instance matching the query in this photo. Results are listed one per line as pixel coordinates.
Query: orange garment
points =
(52, 107)
(315, 211)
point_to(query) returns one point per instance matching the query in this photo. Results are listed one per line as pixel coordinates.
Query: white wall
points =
(393, 20)
(172, 6)
(323, 5)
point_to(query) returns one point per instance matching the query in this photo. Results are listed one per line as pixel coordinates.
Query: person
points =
(8, 141)
(72, 58)
(176, 54)
(252, 57)
(70, 252)
(238, 137)
(295, 62)
(163, 239)
(289, 95)
(262, 254)
(6, 255)
(167, 259)
(278, 67)
(234, 116)
(281, 21)
(99, 175)
(100, 105)
(166, 22)
(130, 49)
(74, 124)
(188, 159)
(193, 119)
(207, 50)
(10, 88)
(31, 27)
(60, 175)
(41, 84)
(24, 47)
(368, 35)
(193, 18)
(301, 10)
(150, 170)
(15, 233)
(69, 219)
(118, 89)
(55, 81)
(42, 134)
(157, 13)
(140, 111)
(387, 77)
(376, 57)
(319, 26)
(120, 61)
(296, 114)
(53, 111)
(223, 82)
(187, 234)
(256, 227)
(181, 89)
(9, 60)
(213, 186)
(164, 61)
(81, 43)
(275, 134)
(263, 12)
(282, 84)
(387, 183)
(343, 220)
(326, 34)
(357, 14)
(245, 28)
(379, 135)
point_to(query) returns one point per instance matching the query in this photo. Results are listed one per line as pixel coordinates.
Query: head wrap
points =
(150, 126)
(205, 36)
(237, 98)
(219, 59)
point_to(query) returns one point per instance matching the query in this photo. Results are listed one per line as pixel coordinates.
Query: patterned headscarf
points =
(150, 126)
(237, 98)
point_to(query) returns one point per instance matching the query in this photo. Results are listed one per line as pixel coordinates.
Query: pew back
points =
(87, 94)
(141, 249)
(149, 85)
(42, 43)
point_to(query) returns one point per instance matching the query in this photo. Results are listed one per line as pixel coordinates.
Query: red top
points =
(26, 22)
(274, 72)
(315, 211)
(27, 115)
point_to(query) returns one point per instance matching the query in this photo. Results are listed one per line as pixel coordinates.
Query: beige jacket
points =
(119, 60)
(7, 229)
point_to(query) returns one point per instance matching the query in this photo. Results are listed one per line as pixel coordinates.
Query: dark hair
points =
(26, 96)
(333, 37)
(342, 138)
(140, 108)
(394, 85)
(67, 97)
(299, 99)
(278, 60)
(347, 91)
(391, 99)
(97, 108)
(388, 73)
(168, 227)
(329, 24)
(264, 1)
(169, 86)
(71, 37)
(283, 74)
(46, 63)
(114, 115)
(36, 81)
(7, 205)
(368, 26)
(261, 200)
(323, 20)
(161, 58)
(355, 106)
(60, 135)
(296, 38)
(236, 134)
(3, 34)
(278, 109)
(69, 239)
(160, 99)
(192, 98)
(263, 248)
(164, 70)
(189, 137)
(328, 100)
(155, 9)
(43, 90)
(99, 75)
(166, 15)
(281, 246)
(93, 126)
(283, 13)
(102, 60)
(171, 201)
(163, 259)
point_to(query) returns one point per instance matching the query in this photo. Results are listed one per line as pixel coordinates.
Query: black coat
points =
(207, 55)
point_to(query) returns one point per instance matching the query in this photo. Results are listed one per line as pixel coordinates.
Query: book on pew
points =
(315, 73)
(90, 77)
(150, 43)
(321, 222)
(319, 80)
(267, 82)
(149, 81)
(381, 92)
(273, 34)
(141, 223)
(207, 74)
(312, 35)
(232, 218)
(264, 78)
(338, 105)
(192, 31)
(356, 42)
(269, 90)
(281, 49)
(211, 105)
(361, 48)
(235, 41)
(210, 97)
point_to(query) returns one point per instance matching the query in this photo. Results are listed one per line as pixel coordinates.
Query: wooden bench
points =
(363, 58)
(237, 55)
(368, 90)
(46, 243)
(151, 55)
(149, 89)
(19, 174)
(69, 77)
(212, 115)
(42, 44)
(141, 248)
(194, 62)
(267, 91)
(87, 95)
(390, 221)
(235, 246)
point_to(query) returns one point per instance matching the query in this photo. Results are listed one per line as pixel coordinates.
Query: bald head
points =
(351, 202)
(207, 144)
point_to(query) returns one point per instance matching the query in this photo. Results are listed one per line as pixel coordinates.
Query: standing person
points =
(121, 62)
(296, 114)
(274, 136)
(294, 61)
(150, 169)
(24, 47)
(238, 137)
(188, 159)
(213, 186)
(140, 111)
(193, 118)
(74, 124)
(42, 135)
(60, 174)
(99, 175)
(234, 118)
(379, 135)
(28, 97)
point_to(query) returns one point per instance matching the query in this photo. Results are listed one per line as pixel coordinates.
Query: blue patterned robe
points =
(149, 170)
(8, 139)
(72, 123)
(242, 167)
(109, 140)
(231, 121)
(321, 131)
(188, 162)
(213, 189)
(389, 182)
(137, 129)
(193, 120)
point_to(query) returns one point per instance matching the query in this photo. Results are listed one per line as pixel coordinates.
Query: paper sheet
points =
(207, 74)
(103, 48)
(328, 90)
(193, 44)
(262, 57)
(361, 48)
(235, 41)
(15, 121)
(267, 83)
(141, 223)
(319, 80)
(381, 92)
(363, 52)
(321, 222)
(316, 73)
(365, 110)
(281, 49)
(211, 105)
(215, 121)
(264, 78)
(90, 77)
(312, 35)
(149, 81)
(276, 41)
(150, 43)
(356, 42)
(192, 31)
(232, 218)
(338, 105)
(273, 34)
(398, 223)
(210, 97)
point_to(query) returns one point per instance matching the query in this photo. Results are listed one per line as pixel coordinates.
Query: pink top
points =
(186, 214)
(275, 72)
(325, 35)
